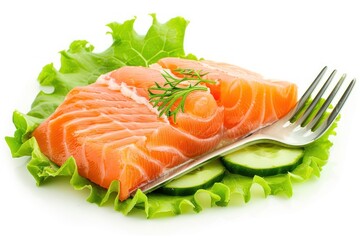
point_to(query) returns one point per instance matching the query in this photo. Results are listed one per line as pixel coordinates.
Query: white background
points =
(280, 39)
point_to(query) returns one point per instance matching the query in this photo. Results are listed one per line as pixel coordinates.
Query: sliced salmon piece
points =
(114, 133)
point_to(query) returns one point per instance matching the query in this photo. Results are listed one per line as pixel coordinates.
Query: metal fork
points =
(300, 127)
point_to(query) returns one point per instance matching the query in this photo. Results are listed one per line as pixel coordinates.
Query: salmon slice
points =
(114, 133)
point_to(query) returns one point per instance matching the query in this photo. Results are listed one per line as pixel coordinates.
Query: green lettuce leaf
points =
(161, 40)
(80, 66)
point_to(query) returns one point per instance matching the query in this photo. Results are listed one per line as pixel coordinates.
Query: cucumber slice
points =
(263, 160)
(201, 178)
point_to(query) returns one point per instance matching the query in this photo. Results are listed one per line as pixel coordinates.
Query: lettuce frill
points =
(81, 66)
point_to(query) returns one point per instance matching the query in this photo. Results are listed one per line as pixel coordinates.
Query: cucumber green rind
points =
(174, 191)
(202, 178)
(235, 164)
(260, 172)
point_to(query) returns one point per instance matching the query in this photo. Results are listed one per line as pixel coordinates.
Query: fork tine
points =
(320, 130)
(341, 102)
(309, 110)
(315, 121)
(306, 95)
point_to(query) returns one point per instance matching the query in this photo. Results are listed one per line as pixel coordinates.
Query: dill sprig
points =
(163, 97)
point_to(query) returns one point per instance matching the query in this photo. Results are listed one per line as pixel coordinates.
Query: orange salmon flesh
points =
(114, 133)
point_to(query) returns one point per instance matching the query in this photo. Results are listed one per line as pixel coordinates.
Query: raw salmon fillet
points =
(114, 133)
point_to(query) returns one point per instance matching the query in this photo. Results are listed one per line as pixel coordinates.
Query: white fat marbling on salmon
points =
(129, 92)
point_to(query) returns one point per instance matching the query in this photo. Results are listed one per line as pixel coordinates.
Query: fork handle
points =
(194, 163)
